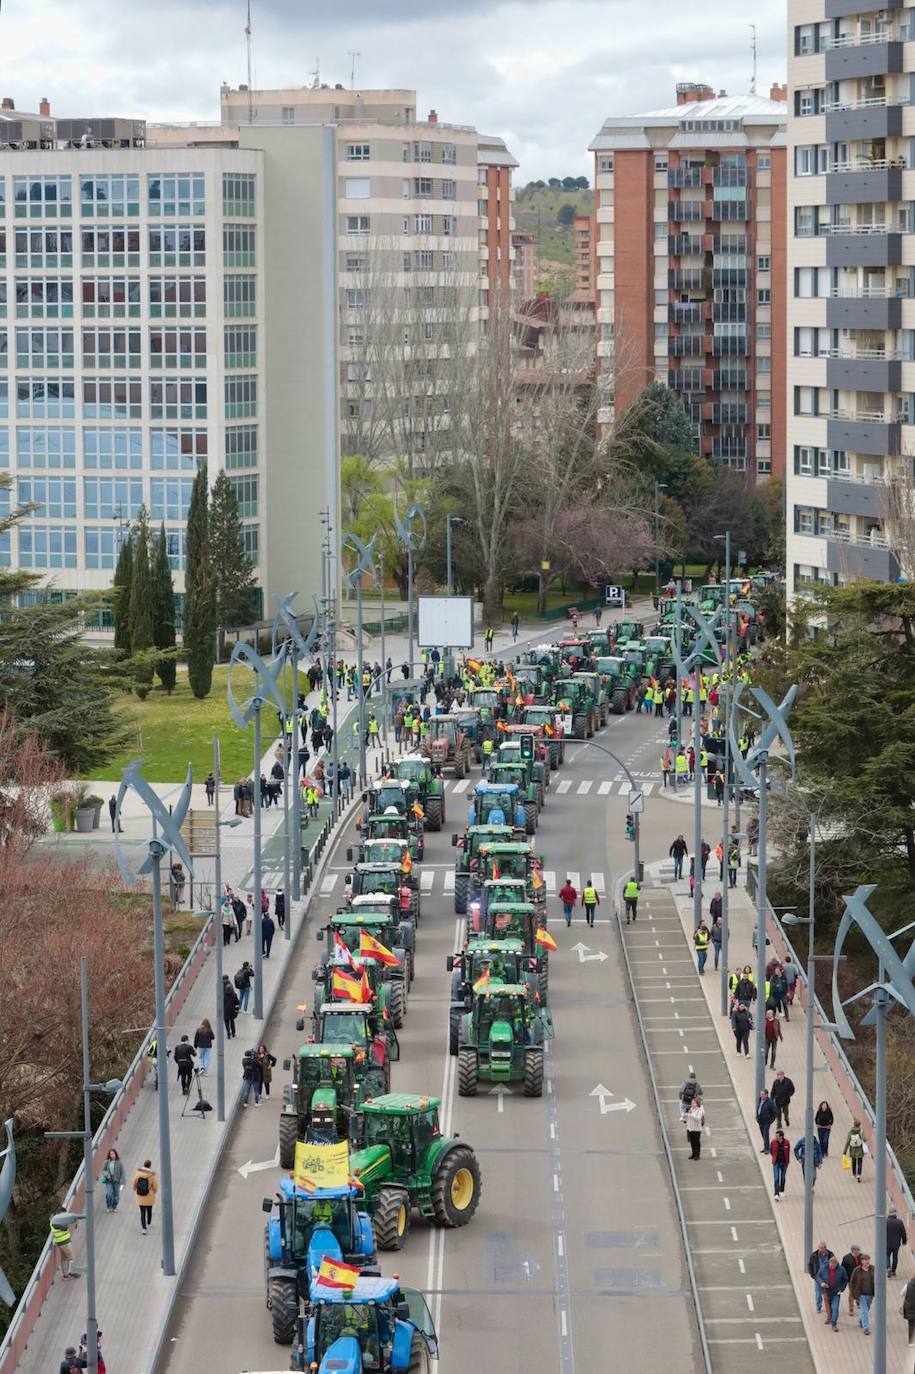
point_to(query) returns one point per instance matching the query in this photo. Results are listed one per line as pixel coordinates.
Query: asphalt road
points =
(574, 1258)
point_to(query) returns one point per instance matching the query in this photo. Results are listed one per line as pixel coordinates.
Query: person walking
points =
(203, 1044)
(688, 1092)
(773, 1033)
(833, 1281)
(854, 1149)
(240, 910)
(861, 1292)
(631, 899)
(71, 1359)
(145, 1185)
(733, 864)
(681, 769)
(908, 1308)
(568, 896)
(112, 1180)
(800, 1154)
(113, 813)
(243, 983)
(488, 638)
(701, 939)
(209, 783)
(279, 907)
(817, 1259)
(230, 1006)
(824, 1121)
(782, 1093)
(896, 1236)
(268, 930)
(678, 852)
(742, 1024)
(184, 1056)
(267, 1062)
(705, 851)
(666, 762)
(765, 1118)
(227, 920)
(695, 1122)
(780, 1150)
(590, 901)
(514, 625)
(779, 983)
(252, 1078)
(850, 1263)
(61, 1238)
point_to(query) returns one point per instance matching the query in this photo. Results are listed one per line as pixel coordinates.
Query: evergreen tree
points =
(123, 574)
(233, 576)
(141, 600)
(199, 612)
(163, 597)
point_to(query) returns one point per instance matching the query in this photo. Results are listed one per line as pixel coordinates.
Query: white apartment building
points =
(851, 287)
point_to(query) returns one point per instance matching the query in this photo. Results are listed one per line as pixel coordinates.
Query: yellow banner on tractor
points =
(321, 1166)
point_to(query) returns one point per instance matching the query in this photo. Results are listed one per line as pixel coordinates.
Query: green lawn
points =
(168, 732)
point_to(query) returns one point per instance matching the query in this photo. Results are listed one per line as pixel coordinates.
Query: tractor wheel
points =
(454, 1029)
(289, 1134)
(267, 1263)
(562, 753)
(533, 1073)
(460, 767)
(456, 1187)
(543, 977)
(541, 796)
(411, 963)
(555, 756)
(580, 725)
(594, 717)
(398, 1004)
(619, 702)
(530, 817)
(461, 888)
(414, 905)
(478, 753)
(283, 1300)
(420, 1360)
(391, 1219)
(434, 808)
(467, 1072)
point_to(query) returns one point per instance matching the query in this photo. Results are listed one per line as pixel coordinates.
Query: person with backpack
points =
(72, 1361)
(230, 1006)
(252, 1078)
(854, 1149)
(780, 1150)
(243, 983)
(145, 1186)
(689, 1090)
(800, 1154)
(240, 911)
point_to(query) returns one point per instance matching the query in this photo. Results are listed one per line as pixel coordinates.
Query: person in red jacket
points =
(773, 1033)
(568, 896)
(780, 1150)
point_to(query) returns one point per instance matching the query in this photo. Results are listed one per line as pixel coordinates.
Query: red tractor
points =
(447, 745)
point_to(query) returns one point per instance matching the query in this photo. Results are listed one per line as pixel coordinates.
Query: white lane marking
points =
(600, 883)
(574, 877)
(328, 883)
(759, 1342)
(749, 1299)
(436, 1265)
(584, 788)
(741, 1266)
(461, 785)
(549, 877)
(426, 879)
(733, 1233)
(563, 787)
(647, 788)
(449, 880)
(604, 788)
(727, 1203)
(720, 1175)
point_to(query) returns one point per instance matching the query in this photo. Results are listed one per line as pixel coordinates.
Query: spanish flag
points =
(543, 937)
(482, 982)
(418, 811)
(519, 700)
(548, 730)
(474, 665)
(370, 948)
(565, 708)
(537, 880)
(334, 1274)
(406, 863)
(502, 727)
(350, 989)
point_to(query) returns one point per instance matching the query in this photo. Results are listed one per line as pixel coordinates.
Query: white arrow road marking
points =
(255, 1168)
(603, 1094)
(500, 1092)
(585, 958)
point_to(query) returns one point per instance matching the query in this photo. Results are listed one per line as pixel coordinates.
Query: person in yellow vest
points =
(631, 899)
(687, 699)
(666, 762)
(60, 1238)
(703, 762)
(681, 768)
(487, 753)
(701, 938)
(590, 901)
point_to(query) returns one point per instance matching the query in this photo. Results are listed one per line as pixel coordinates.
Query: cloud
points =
(542, 73)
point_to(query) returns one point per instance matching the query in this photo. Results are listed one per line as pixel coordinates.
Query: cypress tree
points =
(164, 612)
(199, 614)
(234, 581)
(141, 599)
(123, 574)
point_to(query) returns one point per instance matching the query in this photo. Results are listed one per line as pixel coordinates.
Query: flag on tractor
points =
(406, 863)
(334, 1274)
(347, 987)
(370, 948)
(474, 665)
(365, 987)
(537, 880)
(483, 981)
(418, 811)
(502, 727)
(342, 952)
(543, 937)
(548, 730)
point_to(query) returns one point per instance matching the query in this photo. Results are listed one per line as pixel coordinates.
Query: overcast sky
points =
(542, 73)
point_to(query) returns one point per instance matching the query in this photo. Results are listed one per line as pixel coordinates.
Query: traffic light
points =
(527, 746)
(630, 826)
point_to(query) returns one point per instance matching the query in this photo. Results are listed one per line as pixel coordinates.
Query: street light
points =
(109, 1088)
(658, 488)
(449, 521)
(725, 799)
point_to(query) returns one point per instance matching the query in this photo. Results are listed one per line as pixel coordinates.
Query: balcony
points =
(730, 243)
(685, 245)
(872, 118)
(735, 413)
(686, 211)
(863, 432)
(685, 279)
(730, 276)
(729, 176)
(843, 9)
(686, 346)
(865, 182)
(856, 55)
(690, 380)
(864, 370)
(723, 313)
(851, 496)
(861, 557)
(863, 245)
(683, 312)
(730, 379)
(679, 177)
(733, 345)
(731, 210)
(730, 449)
(867, 308)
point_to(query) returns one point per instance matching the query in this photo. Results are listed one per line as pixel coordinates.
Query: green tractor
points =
(520, 746)
(501, 1040)
(532, 682)
(425, 786)
(506, 916)
(490, 702)
(398, 936)
(467, 862)
(393, 827)
(392, 880)
(320, 1099)
(504, 861)
(625, 630)
(599, 642)
(574, 656)
(660, 648)
(519, 775)
(574, 699)
(598, 692)
(497, 961)
(404, 1163)
(372, 1036)
(620, 681)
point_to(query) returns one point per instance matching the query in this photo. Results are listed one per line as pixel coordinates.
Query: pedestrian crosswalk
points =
(434, 880)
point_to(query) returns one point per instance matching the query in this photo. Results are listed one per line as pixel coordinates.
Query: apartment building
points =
(583, 236)
(525, 265)
(691, 260)
(851, 286)
(424, 223)
(143, 284)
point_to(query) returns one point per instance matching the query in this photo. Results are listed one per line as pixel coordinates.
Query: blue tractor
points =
(498, 803)
(377, 1326)
(304, 1228)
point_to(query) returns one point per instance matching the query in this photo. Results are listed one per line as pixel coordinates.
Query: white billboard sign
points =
(445, 622)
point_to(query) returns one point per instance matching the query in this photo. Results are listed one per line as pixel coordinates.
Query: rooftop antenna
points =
(352, 70)
(316, 84)
(248, 45)
(753, 50)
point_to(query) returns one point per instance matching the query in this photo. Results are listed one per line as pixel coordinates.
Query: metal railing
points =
(826, 229)
(889, 289)
(870, 164)
(863, 40)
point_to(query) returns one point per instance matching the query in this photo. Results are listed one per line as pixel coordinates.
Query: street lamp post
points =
(407, 537)
(727, 770)
(705, 643)
(111, 1087)
(230, 823)
(365, 562)
(449, 521)
(658, 488)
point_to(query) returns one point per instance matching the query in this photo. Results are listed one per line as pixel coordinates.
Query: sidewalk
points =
(843, 1210)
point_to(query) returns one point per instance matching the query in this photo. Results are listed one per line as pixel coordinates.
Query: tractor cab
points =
(597, 692)
(390, 796)
(488, 702)
(318, 1101)
(531, 681)
(378, 921)
(512, 862)
(497, 804)
(392, 881)
(510, 917)
(447, 746)
(627, 629)
(375, 1327)
(394, 825)
(495, 960)
(500, 1039)
(599, 642)
(477, 835)
(362, 1026)
(424, 789)
(471, 723)
(386, 851)
(496, 892)
(574, 654)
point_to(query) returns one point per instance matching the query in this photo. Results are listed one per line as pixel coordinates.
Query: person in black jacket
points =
(279, 908)
(71, 1360)
(184, 1056)
(821, 1255)
(230, 1005)
(824, 1122)
(782, 1093)
(765, 1118)
(896, 1236)
(742, 1024)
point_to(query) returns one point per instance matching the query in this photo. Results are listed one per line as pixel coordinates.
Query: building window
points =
(763, 162)
(178, 297)
(178, 399)
(42, 348)
(250, 537)
(356, 298)
(763, 432)
(605, 163)
(101, 196)
(55, 496)
(109, 398)
(287, 114)
(356, 262)
(42, 197)
(424, 259)
(178, 245)
(112, 498)
(764, 296)
(111, 348)
(239, 297)
(239, 194)
(101, 547)
(239, 245)
(422, 224)
(245, 489)
(49, 446)
(764, 264)
(357, 188)
(357, 224)
(449, 153)
(241, 397)
(763, 465)
(113, 450)
(110, 246)
(449, 190)
(358, 152)
(110, 298)
(47, 546)
(43, 398)
(44, 247)
(422, 187)
(804, 460)
(177, 450)
(422, 151)
(764, 331)
(240, 343)
(764, 364)
(241, 446)
(176, 546)
(170, 497)
(449, 226)
(177, 193)
(660, 162)
(43, 298)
